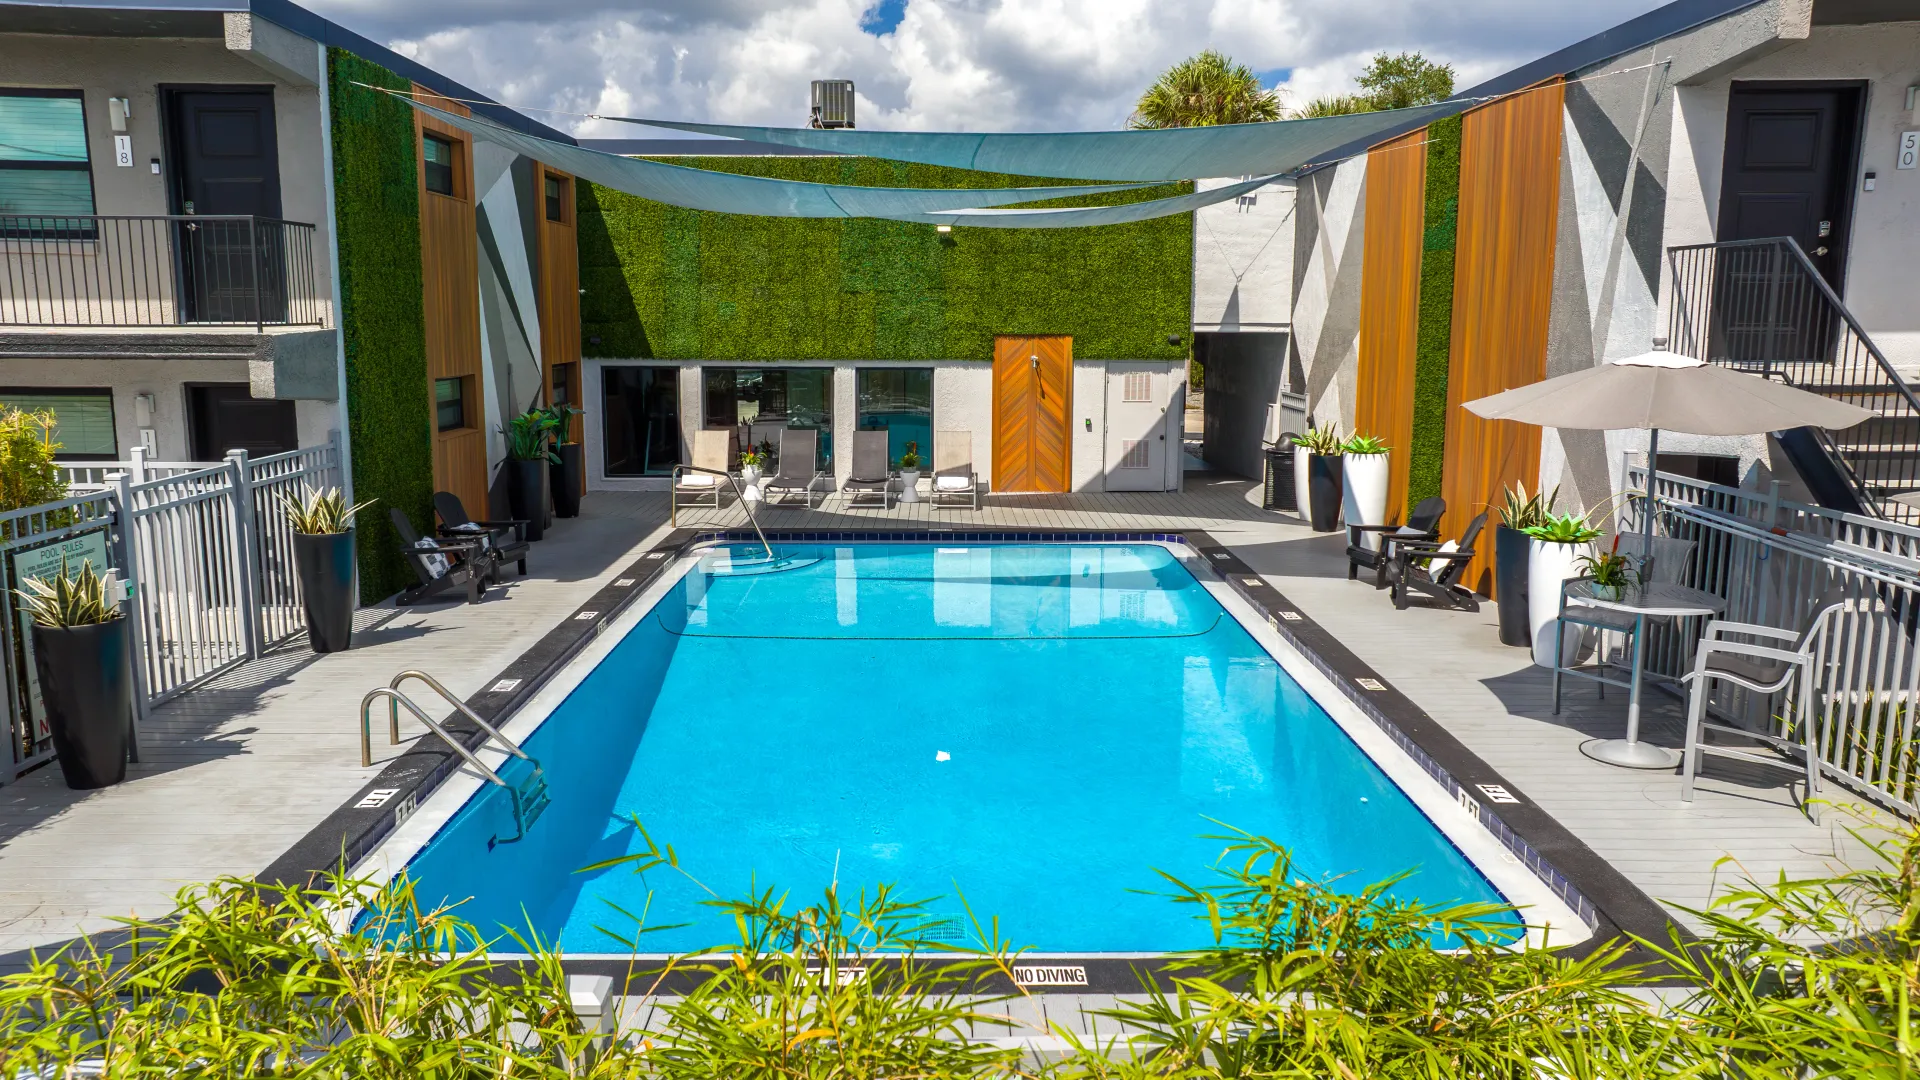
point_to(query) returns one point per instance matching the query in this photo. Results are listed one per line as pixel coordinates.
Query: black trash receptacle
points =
(1279, 494)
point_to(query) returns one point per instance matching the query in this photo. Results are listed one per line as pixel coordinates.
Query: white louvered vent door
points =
(1138, 399)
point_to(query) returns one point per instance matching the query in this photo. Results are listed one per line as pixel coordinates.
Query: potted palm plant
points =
(910, 473)
(1557, 546)
(568, 468)
(529, 461)
(1364, 479)
(82, 656)
(1511, 545)
(1322, 502)
(323, 560)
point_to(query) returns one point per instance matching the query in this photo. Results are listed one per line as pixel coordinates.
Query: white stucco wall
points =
(1883, 260)
(1243, 259)
(1326, 308)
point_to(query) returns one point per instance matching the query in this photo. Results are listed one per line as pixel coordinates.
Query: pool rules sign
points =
(44, 561)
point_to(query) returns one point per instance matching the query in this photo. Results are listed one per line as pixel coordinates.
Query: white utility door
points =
(1137, 398)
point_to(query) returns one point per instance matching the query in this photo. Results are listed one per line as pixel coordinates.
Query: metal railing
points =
(171, 270)
(84, 476)
(1762, 307)
(1779, 563)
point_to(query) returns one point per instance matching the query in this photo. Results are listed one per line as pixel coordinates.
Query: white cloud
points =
(949, 65)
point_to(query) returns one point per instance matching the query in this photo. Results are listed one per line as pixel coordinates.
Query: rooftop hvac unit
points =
(832, 103)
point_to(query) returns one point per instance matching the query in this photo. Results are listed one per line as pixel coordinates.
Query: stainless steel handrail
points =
(673, 502)
(493, 733)
(388, 692)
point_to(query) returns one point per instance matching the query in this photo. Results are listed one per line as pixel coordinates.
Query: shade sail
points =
(1161, 154)
(1080, 217)
(1667, 392)
(730, 193)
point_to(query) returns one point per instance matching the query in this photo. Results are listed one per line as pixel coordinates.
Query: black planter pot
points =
(527, 493)
(1511, 558)
(87, 686)
(1324, 484)
(324, 562)
(569, 479)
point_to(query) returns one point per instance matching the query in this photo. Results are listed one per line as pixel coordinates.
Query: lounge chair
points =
(870, 475)
(953, 475)
(507, 539)
(700, 484)
(798, 447)
(1435, 569)
(1422, 524)
(442, 564)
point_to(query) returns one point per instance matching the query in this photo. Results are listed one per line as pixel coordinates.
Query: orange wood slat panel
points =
(559, 293)
(460, 466)
(1390, 303)
(1053, 400)
(450, 276)
(1012, 414)
(1502, 295)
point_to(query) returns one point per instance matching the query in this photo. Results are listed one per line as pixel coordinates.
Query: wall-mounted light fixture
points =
(943, 229)
(143, 405)
(117, 113)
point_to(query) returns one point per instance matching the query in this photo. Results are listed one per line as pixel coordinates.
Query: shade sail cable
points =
(732, 193)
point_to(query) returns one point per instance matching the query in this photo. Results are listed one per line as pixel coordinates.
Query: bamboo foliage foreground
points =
(1795, 980)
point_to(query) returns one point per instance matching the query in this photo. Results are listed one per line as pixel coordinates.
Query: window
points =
(898, 401)
(83, 419)
(640, 413)
(762, 402)
(556, 198)
(436, 161)
(449, 404)
(560, 388)
(43, 160)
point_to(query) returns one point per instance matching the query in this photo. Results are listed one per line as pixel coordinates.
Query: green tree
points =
(1204, 90)
(1405, 80)
(1335, 105)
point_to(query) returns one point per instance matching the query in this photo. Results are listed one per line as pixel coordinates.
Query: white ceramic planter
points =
(1548, 566)
(909, 485)
(1300, 495)
(749, 475)
(1363, 500)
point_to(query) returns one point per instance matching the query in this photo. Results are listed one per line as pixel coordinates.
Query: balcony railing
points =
(180, 270)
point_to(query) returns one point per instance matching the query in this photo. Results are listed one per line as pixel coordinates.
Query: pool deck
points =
(238, 770)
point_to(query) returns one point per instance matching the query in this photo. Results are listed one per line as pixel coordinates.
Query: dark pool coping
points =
(1593, 888)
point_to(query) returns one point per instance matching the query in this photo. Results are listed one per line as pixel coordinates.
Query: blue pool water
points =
(1037, 727)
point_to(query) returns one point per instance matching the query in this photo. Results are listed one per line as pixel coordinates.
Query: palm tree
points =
(1335, 105)
(1204, 90)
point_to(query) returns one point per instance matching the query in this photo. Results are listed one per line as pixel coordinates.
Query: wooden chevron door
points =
(1032, 398)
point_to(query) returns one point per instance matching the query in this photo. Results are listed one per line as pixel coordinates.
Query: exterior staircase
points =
(1760, 306)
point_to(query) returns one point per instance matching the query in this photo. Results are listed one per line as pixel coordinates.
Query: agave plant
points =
(68, 599)
(322, 512)
(1563, 529)
(1323, 441)
(1363, 445)
(1523, 511)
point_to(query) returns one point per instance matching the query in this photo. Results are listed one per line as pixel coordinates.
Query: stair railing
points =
(1762, 306)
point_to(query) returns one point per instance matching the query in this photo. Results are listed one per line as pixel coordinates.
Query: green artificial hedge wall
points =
(382, 320)
(1433, 344)
(666, 282)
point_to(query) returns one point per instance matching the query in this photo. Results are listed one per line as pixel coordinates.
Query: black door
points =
(226, 161)
(224, 416)
(1788, 172)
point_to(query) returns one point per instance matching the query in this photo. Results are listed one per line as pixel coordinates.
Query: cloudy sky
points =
(1007, 65)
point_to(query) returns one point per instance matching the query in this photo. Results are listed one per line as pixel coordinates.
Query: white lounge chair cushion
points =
(952, 483)
(698, 480)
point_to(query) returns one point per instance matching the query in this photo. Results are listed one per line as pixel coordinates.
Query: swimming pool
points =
(1035, 727)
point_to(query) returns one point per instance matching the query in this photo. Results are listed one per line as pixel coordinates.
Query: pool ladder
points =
(529, 793)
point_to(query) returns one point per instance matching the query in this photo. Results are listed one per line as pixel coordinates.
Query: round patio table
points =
(1658, 600)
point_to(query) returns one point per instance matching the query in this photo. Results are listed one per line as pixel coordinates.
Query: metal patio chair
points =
(1790, 660)
(870, 475)
(797, 472)
(1422, 524)
(700, 485)
(953, 475)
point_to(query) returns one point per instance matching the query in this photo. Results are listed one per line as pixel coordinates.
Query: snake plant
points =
(67, 600)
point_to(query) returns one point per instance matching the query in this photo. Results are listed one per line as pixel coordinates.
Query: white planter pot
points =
(909, 485)
(749, 475)
(1300, 502)
(1548, 566)
(1363, 500)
